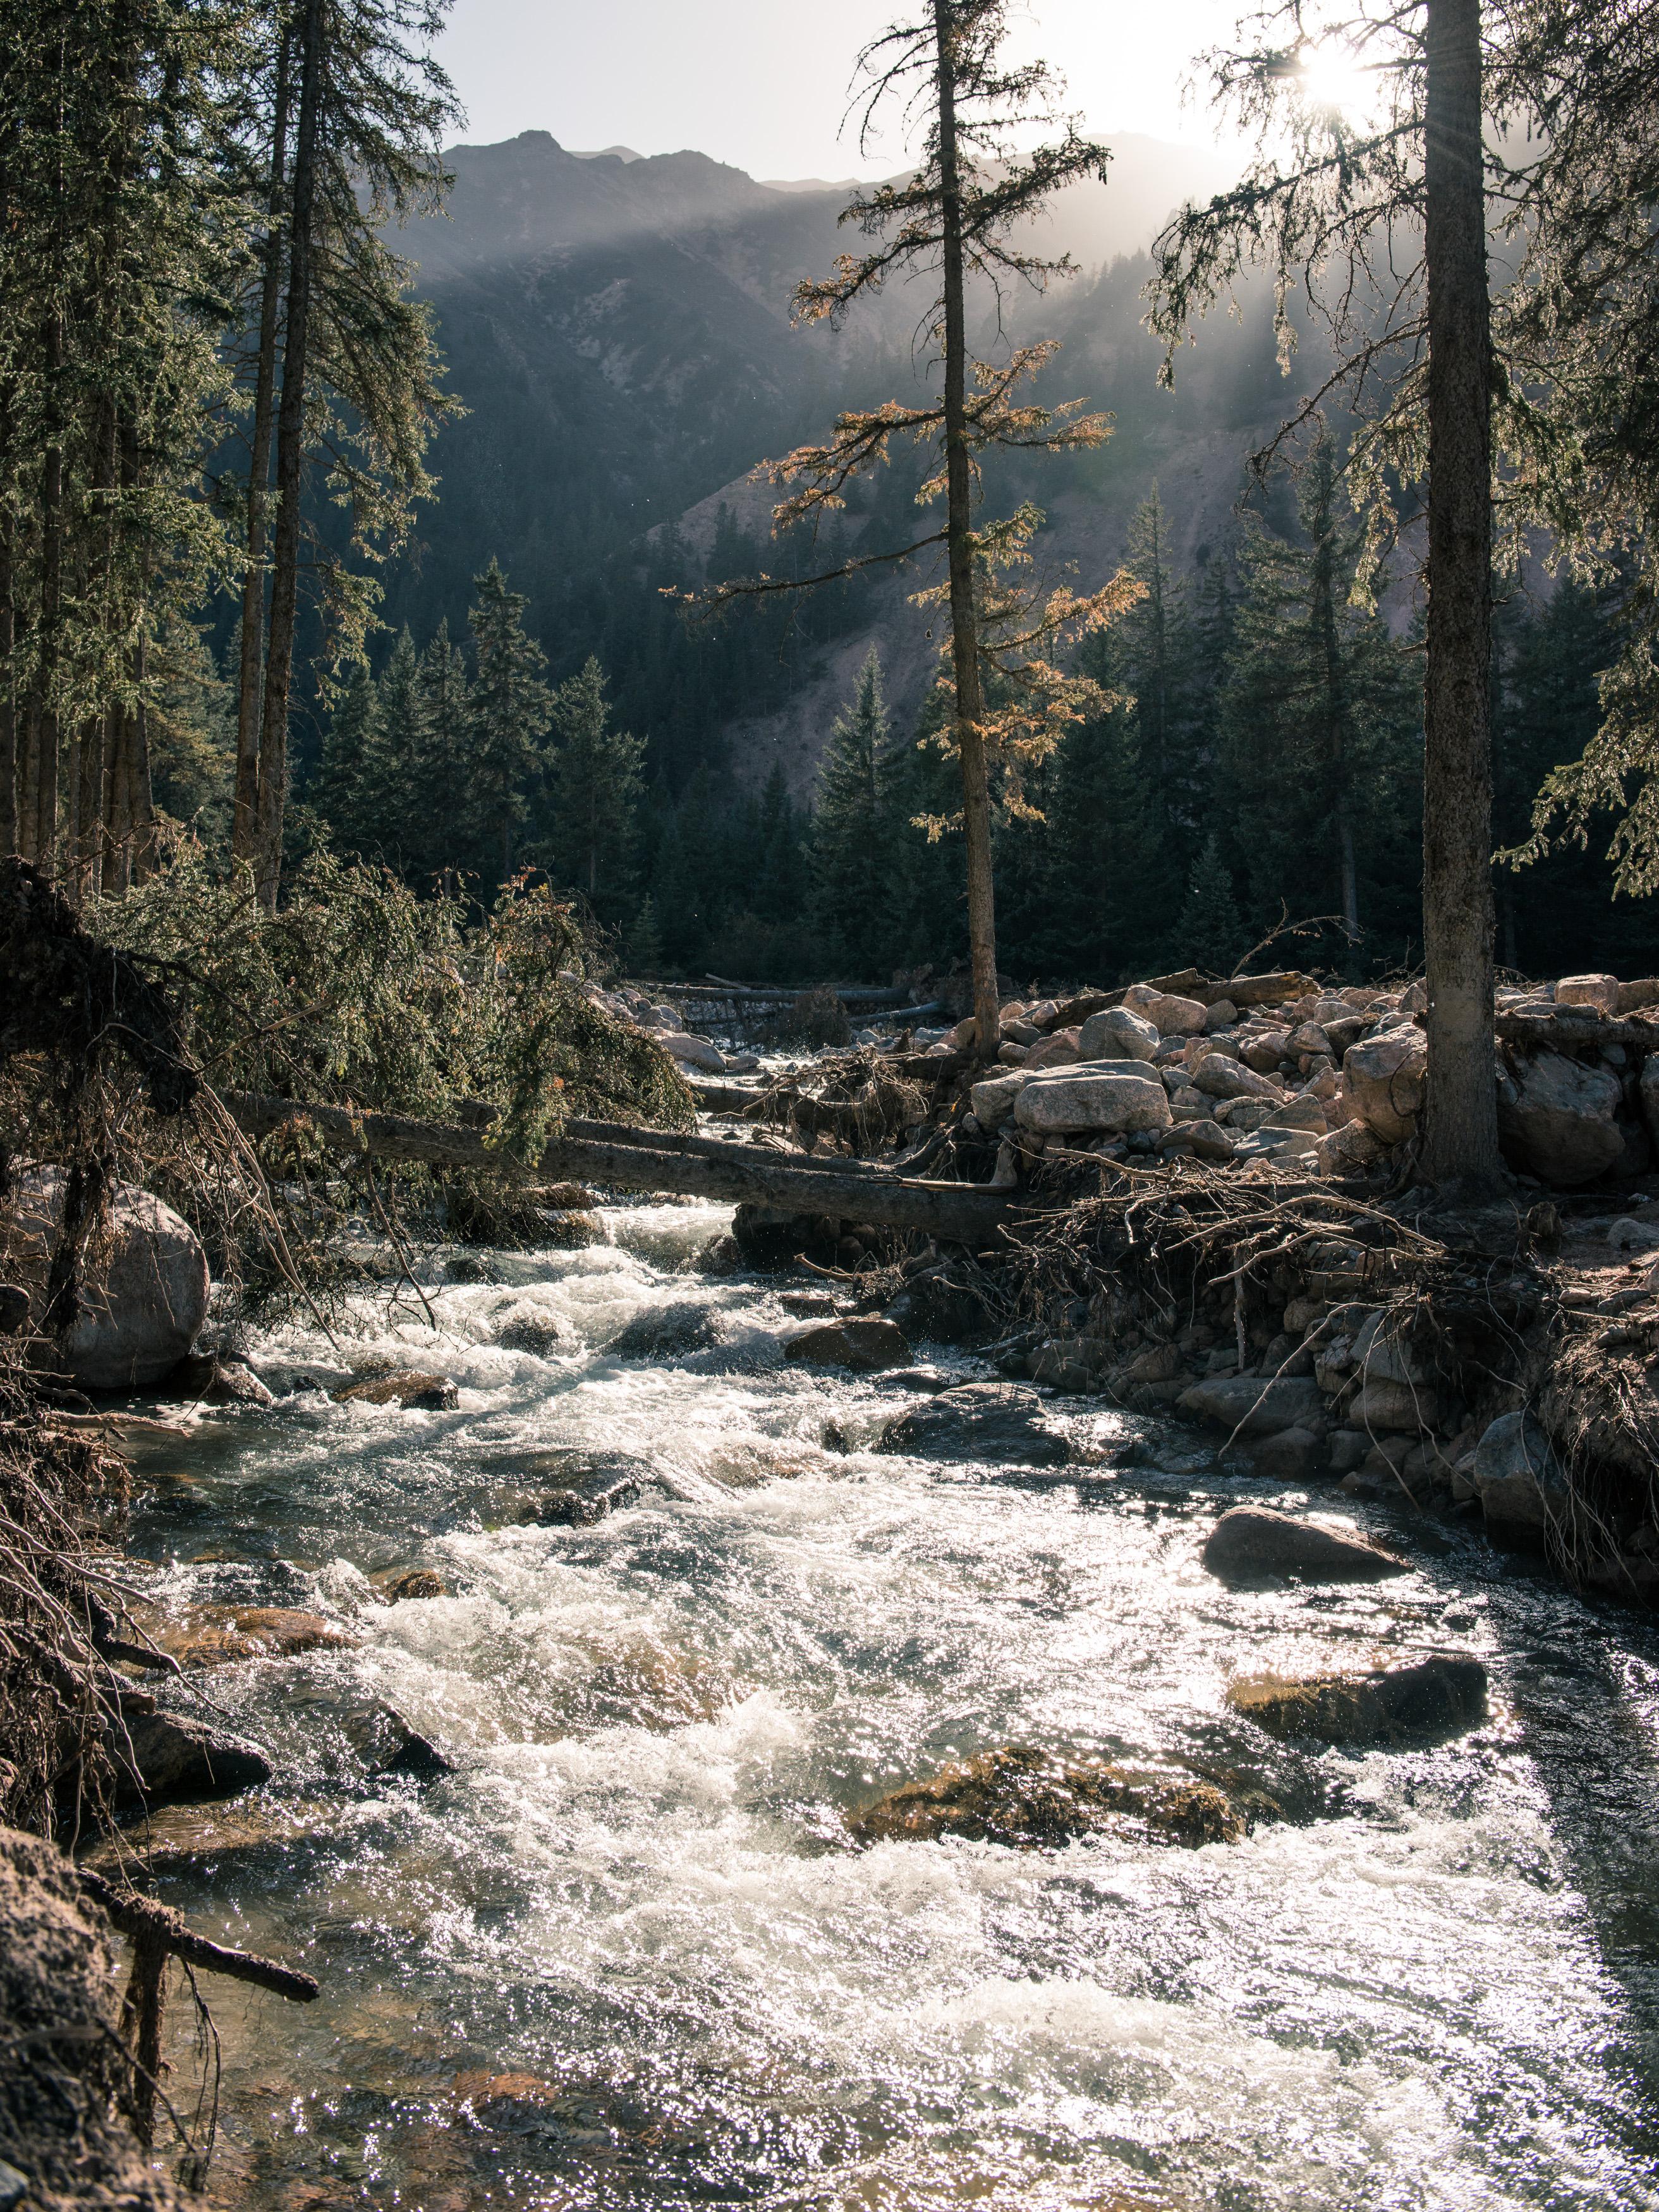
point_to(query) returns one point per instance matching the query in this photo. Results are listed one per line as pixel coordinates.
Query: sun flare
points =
(1330, 79)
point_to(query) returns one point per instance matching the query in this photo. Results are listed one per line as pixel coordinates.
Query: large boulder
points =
(1599, 994)
(1027, 1798)
(1556, 1118)
(1219, 1077)
(1093, 1098)
(1255, 1404)
(142, 1305)
(1523, 1485)
(1384, 1077)
(1169, 1014)
(1252, 1543)
(1391, 1709)
(1117, 1034)
(992, 1097)
(1001, 1421)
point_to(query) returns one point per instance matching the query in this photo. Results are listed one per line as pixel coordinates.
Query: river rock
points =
(401, 1585)
(1209, 1140)
(141, 1308)
(1391, 1709)
(864, 1346)
(1219, 1076)
(1255, 1404)
(1033, 1799)
(532, 1332)
(1292, 1456)
(221, 1636)
(665, 1332)
(1384, 1077)
(1001, 1421)
(1117, 1034)
(1061, 1051)
(173, 1759)
(412, 1387)
(1082, 1098)
(210, 1380)
(1170, 1014)
(1390, 1406)
(1599, 992)
(993, 1098)
(699, 1052)
(583, 1487)
(1557, 1119)
(1252, 1543)
(1521, 1483)
(389, 1746)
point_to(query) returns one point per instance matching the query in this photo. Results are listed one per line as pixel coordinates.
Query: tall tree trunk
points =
(44, 717)
(965, 629)
(245, 821)
(118, 816)
(290, 455)
(11, 825)
(141, 797)
(1460, 1143)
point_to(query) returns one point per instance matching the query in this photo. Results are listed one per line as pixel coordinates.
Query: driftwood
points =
(157, 1932)
(627, 1158)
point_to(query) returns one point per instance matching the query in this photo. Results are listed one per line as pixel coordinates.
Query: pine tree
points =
(853, 885)
(595, 784)
(391, 801)
(511, 708)
(1209, 931)
(1157, 665)
(643, 942)
(344, 777)
(1319, 724)
(438, 776)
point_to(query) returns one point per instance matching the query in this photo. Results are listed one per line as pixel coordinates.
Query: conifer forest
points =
(828, 1105)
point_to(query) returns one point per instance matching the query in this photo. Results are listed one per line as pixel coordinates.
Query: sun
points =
(1331, 80)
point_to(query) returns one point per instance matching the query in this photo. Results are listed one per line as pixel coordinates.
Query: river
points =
(622, 1954)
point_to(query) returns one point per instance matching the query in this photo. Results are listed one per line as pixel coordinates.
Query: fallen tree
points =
(628, 1158)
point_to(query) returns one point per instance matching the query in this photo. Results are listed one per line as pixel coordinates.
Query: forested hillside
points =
(620, 333)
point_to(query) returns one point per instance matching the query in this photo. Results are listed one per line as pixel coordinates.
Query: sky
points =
(763, 83)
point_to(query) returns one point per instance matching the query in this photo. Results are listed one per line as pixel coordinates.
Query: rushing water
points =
(623, 1956)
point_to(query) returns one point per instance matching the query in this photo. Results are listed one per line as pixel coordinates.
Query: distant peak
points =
(604, 153)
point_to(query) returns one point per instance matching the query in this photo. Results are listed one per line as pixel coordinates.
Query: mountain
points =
(619, 330)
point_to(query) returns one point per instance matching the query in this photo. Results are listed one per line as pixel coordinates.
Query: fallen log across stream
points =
(628, 1159)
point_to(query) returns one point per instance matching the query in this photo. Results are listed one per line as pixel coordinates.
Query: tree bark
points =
(43, 719)
(959, 529)
(1459, 1141)
(290, 455)
(245, 821)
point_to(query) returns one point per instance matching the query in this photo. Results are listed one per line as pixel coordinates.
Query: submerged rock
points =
(665, 1332)
(529, 1332)
(389, 1744)
(1252, 1543)
(221, 1636)
(173, 1759)
(978, 1421)
(864, 1346)
(1032, 1798)
(409, 1387)
(1392, 1708)
(399, 1585)
(212, 1381)
(583, 1487)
